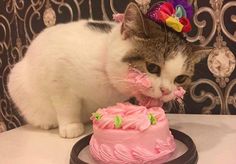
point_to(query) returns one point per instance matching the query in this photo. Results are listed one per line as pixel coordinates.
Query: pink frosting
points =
(148, 101)
(133, 116)
(136, 141)
(179, 92)
(139, 80)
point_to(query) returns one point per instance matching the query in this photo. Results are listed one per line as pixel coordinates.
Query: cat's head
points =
(164, 55)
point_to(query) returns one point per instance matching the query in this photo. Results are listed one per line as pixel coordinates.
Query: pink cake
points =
(127, 133)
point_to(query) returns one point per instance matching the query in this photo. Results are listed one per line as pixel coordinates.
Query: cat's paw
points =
(71, 130)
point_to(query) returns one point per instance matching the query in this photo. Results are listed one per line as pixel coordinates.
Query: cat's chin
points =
(167, 98)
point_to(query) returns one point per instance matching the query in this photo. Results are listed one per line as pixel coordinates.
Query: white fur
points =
(62, 78)
(69, 71)
(169, 71)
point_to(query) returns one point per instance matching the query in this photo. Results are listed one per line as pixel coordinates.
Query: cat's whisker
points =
(186, 106)
(175, 102)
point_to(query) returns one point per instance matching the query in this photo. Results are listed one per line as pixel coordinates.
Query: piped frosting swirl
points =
(127, 116)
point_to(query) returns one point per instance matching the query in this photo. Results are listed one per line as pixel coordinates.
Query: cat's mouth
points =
(162, 97)
(167, 97)
(150, 101)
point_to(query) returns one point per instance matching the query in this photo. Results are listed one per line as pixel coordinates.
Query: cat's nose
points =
(165, 91)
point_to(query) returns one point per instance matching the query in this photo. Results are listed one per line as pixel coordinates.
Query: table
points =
(214, 136)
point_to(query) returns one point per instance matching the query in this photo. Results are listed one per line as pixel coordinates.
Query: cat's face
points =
(163, 55)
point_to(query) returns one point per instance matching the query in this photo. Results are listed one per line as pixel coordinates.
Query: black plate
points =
(189, 157)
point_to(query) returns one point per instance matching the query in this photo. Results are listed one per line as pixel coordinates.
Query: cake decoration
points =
(127, 116)
(97, 116)
(152, 119)
(118, 121)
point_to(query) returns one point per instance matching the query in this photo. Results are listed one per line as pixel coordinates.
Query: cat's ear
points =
(134, 23)
(199, 53)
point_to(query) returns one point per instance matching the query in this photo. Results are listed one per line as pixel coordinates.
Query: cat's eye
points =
(181, 79)
(153, 68)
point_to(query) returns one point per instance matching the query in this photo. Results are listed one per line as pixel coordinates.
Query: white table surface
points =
(214, 136)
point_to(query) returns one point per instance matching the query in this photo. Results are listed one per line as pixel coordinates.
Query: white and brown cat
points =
(72, 69)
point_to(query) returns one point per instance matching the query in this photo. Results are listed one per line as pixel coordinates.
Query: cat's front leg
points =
(68, 109)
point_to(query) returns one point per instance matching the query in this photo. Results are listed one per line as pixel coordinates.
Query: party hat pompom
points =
(176, 14)
(188, 7)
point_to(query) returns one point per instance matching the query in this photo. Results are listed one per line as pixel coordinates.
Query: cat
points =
(70, 70)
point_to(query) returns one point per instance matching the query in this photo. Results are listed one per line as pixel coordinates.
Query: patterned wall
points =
(213, 90)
